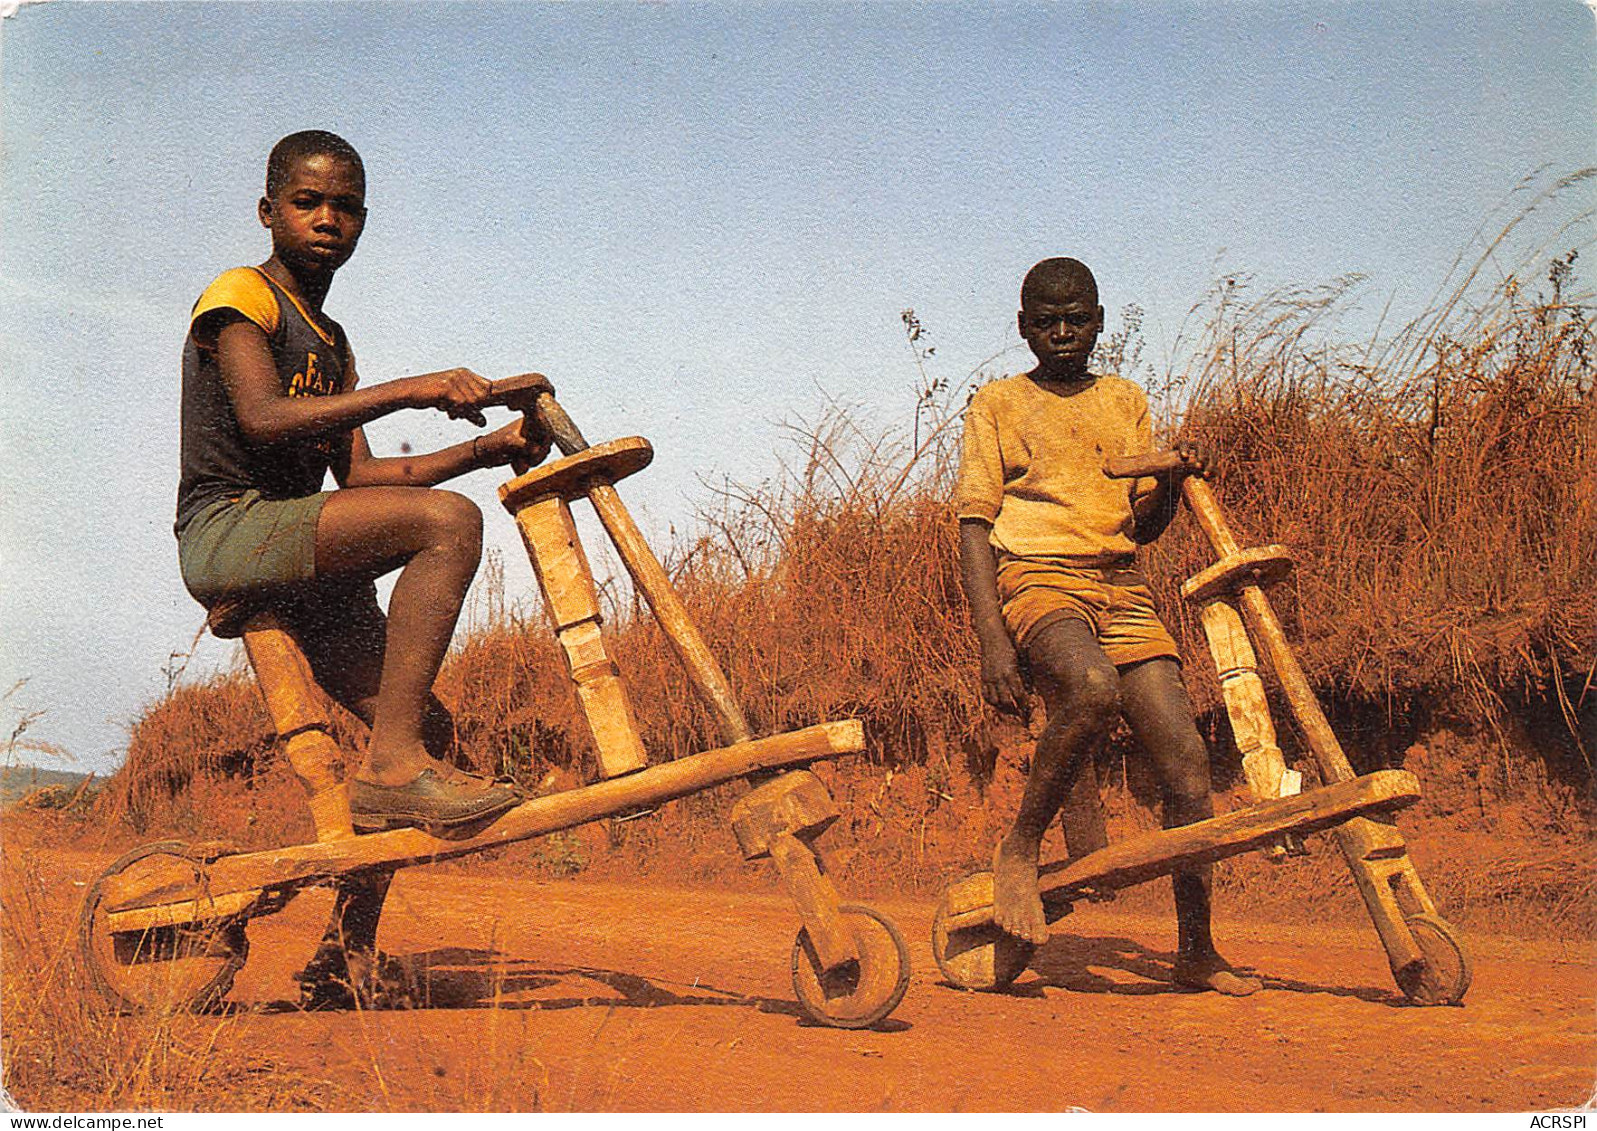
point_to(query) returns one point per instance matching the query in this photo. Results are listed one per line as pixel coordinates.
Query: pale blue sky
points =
(697, 219)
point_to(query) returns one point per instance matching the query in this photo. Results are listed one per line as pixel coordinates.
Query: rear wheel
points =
(191, 966)
(983, 957)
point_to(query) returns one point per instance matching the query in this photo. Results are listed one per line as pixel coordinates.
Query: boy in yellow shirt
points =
(1047, 558)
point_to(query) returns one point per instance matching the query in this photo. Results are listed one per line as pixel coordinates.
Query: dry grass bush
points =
(1442, 512)
(64, 1051)
(203, 764)
(1435, 485)
(214, 726)
(840, 587)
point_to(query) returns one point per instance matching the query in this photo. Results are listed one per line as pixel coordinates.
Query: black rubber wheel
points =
(861, 994)
(1445, 977)
(983, 958)
(164, 967)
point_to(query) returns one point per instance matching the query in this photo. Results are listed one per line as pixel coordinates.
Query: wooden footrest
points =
(969, 903)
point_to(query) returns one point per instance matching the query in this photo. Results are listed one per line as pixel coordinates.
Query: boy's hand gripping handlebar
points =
(1205, 508)
(533, 396)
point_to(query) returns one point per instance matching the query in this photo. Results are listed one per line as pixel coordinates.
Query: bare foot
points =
(1211, 972)
(1017, 908)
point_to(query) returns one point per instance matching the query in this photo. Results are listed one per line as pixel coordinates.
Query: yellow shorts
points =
(1114, 602)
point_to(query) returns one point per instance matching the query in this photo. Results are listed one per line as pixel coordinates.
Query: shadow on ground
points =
(466, 978)
(1073, 962)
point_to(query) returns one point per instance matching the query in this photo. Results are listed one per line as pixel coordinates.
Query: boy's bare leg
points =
(1081, 815)
(347, 662)
(436, 536)
(1080, 687)
(346, 643)
(1155, 703)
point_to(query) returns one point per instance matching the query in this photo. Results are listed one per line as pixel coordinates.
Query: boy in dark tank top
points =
(271, 403)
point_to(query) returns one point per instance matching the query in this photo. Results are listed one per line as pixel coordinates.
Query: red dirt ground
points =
(625, 998)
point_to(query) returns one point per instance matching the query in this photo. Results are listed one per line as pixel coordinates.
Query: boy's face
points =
(1061, 324)
(317, 216)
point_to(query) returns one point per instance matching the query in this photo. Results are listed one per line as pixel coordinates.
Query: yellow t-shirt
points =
(1033, 466)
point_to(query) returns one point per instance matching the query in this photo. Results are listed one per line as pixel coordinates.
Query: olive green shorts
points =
(261, 551)
(1114, 602)
(249, 545)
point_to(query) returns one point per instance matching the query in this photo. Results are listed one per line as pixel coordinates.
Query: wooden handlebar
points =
(1138, 466)
(515, 392)
(560, 427)
(527, 394)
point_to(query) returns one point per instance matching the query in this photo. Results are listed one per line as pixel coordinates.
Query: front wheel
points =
(862, 993)
(1445, 976)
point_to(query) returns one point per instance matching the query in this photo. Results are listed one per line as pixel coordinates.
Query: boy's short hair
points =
(1059, 273)
(306, 143)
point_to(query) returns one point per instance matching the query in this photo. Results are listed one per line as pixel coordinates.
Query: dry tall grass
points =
(1440, 496)
(63, 1050)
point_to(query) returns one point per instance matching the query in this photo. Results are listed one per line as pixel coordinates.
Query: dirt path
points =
(629, 997)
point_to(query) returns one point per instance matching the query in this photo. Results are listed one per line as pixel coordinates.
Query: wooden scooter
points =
(1426, 955)
(166, 923)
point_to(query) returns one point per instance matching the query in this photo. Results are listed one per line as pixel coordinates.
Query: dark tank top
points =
(217, 462)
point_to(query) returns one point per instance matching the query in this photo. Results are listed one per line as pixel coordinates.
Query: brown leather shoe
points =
(429, 801)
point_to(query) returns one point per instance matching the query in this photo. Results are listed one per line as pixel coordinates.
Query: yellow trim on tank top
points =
(236, 289)
(305, 314)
